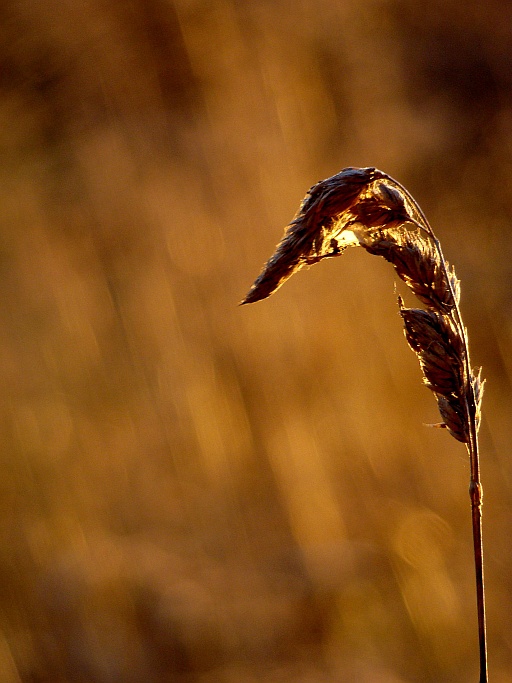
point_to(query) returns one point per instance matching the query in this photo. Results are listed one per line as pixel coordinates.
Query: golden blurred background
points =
(193, 491)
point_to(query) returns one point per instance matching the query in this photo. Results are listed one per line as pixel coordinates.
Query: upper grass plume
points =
(365, 207)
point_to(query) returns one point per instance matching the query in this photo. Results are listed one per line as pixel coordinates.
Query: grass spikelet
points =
(417, 264)
(316, 232)
(439, 348)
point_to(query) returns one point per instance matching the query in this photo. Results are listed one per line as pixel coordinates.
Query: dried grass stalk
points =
(366, 207)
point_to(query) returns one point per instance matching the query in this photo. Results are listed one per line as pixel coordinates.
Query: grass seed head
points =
(365, 207)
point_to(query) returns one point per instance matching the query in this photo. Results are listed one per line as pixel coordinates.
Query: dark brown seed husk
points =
(309, 238)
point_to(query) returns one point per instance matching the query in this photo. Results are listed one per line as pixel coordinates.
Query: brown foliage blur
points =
(193, 491)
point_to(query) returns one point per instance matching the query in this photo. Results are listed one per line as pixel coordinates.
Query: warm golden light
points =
(193, 491)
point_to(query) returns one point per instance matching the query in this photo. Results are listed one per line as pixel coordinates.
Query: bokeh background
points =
(193, 491)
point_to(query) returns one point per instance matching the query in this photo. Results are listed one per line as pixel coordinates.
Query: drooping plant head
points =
(366, 207)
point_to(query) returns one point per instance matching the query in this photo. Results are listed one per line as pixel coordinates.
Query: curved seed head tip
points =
(315, 232)
(360, 206)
